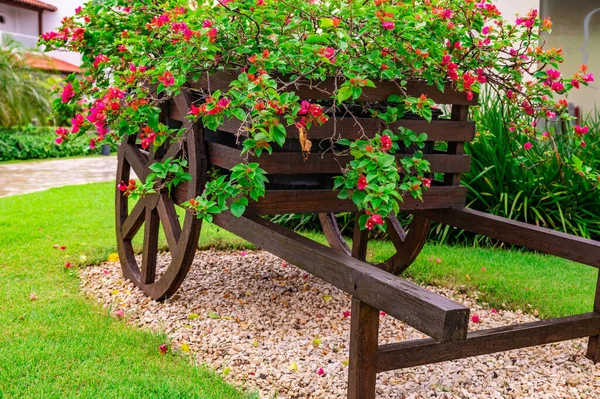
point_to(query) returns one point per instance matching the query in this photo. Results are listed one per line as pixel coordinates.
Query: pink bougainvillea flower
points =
(575, 83)
(426, 182)
(163, 349)
(119, 313)
(346, 314)
(388, 25)
(382, 314)
(106, 271)
(553, 74)
(33, 297)
(206, 23)
(362, 183)
(243, 253)
(475, 318)
(581, 129)
(493, 311)
(167, 79)
(583, 144)
(527, 146)
(212, 34)
(67, 265)
(223, 102)
(438, 260)
(68, 93)
(589, 77)
(62, 248)
(320, 372)
(557, 86)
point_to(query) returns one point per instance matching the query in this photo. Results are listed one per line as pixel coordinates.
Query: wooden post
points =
(364, 333)
(593, 349)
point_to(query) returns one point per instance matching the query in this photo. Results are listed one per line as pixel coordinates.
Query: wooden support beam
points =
(526, 235)
(364, 332)
(593, 349)
(432, 314)
(426, 351)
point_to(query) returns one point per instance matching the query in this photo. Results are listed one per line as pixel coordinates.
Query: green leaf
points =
(239, 113)
(237, 209)
(344, 93)
(279, 134)
(358, 197)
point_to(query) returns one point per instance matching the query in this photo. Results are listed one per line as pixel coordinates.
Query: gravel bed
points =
(269, 327)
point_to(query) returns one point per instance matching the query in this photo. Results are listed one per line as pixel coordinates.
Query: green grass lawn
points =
(60, 345)
(63, 346)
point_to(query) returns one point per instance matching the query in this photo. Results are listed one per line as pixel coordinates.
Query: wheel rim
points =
(408, 244)
(156, 210)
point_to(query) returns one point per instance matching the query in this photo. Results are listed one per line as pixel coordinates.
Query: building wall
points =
(577, 31)
(510, 8)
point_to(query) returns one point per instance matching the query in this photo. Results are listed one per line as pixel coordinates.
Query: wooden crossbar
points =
(548, 241)
(426, 351)
(430, 313)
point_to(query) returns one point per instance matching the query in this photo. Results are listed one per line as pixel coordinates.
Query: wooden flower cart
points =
(304, 186)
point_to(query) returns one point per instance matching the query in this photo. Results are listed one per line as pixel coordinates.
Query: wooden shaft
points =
(548, 241)
(433, 314)
(426, 351)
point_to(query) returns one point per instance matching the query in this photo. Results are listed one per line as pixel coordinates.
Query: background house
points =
(25, 20)
(576, 28)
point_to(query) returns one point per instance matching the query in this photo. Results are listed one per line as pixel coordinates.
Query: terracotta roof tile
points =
(39, 5)
(50, 64)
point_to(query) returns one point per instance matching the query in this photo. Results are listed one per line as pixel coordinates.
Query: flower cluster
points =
(138, 56)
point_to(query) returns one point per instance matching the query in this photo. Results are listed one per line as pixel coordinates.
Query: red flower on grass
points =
(163, 349)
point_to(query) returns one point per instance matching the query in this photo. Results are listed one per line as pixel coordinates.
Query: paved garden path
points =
(26, 177)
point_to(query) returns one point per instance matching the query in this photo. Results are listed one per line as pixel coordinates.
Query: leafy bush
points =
(33, 142)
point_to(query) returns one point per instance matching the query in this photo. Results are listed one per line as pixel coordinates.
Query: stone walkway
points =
(26, 177)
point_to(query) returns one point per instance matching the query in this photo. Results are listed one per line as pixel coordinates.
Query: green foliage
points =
(139, 54)
(38, 143)
(24, 92)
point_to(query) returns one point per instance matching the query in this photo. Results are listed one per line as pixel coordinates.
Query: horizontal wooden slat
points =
(321, 90)
(328, 163)
(321, 201)
(522, 234)
(426, 351)
(433, 314)
(348, 128)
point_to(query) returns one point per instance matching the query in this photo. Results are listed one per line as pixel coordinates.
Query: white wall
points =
(511, 7)
(51, 21)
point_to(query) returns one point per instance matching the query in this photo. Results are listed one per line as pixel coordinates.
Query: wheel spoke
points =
(169, 220)
(137, 160)
(151, 227)
(395, 231)
(134, 221)
(332, 232)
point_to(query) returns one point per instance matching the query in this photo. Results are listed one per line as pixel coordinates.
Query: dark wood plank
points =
(328, 163)
(134, 221)
(170, 223)
(438, 130)
(426, 351)
(430, 313)
(320, 201)
(364, 331)
(322, 90)
(364, 336)
(593, 349)
(518, 233)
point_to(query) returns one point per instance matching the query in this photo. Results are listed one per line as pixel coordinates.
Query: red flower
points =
(304, 108)
(527, 146)
(386, 142)
(163, 349)
(320, 372)
(426, 182)
(581, 130)
(374, 220)
(362, 183)
(475, 318)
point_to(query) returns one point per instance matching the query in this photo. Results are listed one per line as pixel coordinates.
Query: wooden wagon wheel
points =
(408, 244)
(155, 210)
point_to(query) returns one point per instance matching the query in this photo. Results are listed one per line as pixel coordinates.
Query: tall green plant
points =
(500, 182)
(24, 92)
